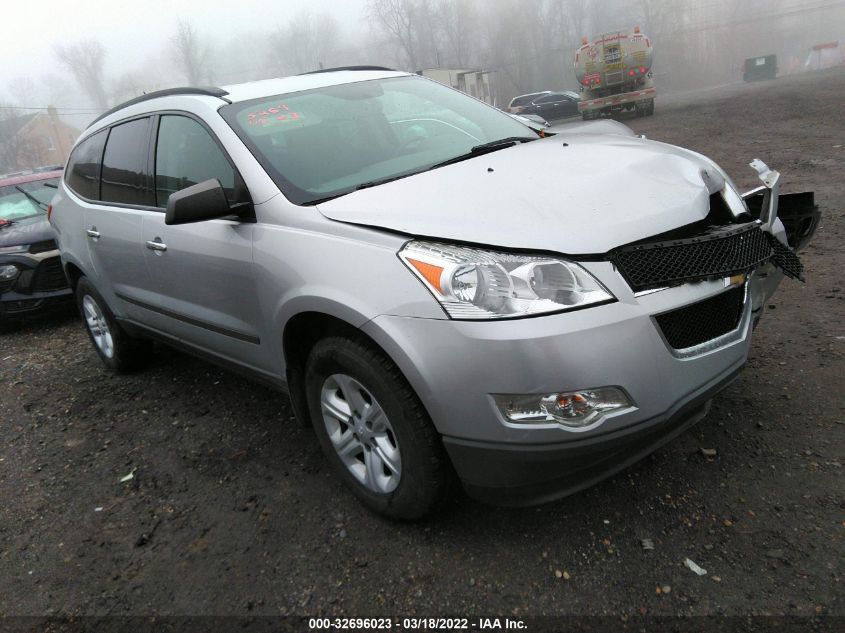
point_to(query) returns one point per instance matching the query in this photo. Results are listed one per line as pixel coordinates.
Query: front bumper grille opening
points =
(719, 252)
(43, 247)
(704, 321)
(49, 276)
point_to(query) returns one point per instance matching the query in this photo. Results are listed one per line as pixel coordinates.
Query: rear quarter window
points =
(82, 175)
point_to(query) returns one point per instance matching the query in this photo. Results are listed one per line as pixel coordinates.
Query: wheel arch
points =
(73, 274)
(301, 332)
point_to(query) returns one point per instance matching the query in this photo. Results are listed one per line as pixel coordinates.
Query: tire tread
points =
(438, 474)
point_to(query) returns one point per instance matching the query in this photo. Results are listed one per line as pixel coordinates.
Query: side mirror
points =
(203, 201)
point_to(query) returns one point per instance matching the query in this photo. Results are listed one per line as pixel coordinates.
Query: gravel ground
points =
(231, 510)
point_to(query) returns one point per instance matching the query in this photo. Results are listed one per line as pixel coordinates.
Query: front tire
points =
(373, 429)
(119, 352)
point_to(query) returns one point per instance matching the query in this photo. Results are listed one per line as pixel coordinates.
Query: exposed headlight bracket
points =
(771, 187)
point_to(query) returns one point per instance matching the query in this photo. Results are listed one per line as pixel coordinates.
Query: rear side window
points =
(83, 169)
(186, 154)
(552, 98)
(125, 164)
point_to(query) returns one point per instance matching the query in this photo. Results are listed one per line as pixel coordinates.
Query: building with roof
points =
(34, 140)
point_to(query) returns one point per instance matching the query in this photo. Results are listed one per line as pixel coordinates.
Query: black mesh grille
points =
(720, 252)
(49, 276)
(703, 321)
(786, 259)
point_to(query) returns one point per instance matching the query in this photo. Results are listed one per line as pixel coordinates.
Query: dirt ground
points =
(231, 509)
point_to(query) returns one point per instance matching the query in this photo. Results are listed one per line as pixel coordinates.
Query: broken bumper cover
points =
(524, 475)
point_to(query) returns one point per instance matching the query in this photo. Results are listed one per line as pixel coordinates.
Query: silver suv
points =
(446, 294)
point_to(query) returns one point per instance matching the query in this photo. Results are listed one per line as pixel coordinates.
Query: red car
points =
(31, 275)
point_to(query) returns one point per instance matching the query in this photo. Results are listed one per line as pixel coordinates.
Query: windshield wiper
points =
(478, 150)
(486, 148)
(381, 181)
(32, 198)
(502, 143)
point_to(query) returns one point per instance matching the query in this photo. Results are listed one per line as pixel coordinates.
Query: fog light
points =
(572, 409)
(8, 271)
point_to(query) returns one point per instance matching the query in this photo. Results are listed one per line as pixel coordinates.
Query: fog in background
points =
(84, 57)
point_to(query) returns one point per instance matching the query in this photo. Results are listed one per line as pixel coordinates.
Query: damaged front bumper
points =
(789, 221)
(672, 341)
(678, 332)
(798, 212)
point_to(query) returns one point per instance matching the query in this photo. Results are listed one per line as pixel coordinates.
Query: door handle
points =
(156, 245)
(93, 232)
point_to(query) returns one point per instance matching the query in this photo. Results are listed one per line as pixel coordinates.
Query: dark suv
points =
(31, 275)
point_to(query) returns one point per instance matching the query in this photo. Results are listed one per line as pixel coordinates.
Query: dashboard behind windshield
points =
(325, 142)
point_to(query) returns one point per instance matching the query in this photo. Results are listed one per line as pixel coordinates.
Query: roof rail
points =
(168, 92)
(339, 68)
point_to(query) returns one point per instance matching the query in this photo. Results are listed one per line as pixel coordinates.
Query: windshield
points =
(26, 199)
(326, 142)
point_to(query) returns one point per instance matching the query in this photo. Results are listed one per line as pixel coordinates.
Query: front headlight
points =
(472, 283)
(8, 271)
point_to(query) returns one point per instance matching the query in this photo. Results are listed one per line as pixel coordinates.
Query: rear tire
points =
(373, 429)
(119, 352)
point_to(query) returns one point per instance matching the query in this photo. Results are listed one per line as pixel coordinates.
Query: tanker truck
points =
(614, 72)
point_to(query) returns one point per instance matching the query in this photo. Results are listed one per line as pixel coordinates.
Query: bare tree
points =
(23, 91)
(56, 89)
(308, 42)
(458, 20)
(398, 19)
(85, 60)
(192, 57)
(127, 86)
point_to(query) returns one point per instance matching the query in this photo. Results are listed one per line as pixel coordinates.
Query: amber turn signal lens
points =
(430, 273)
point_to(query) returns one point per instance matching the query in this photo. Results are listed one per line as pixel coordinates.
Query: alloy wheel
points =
(98, 326)
(361, 433)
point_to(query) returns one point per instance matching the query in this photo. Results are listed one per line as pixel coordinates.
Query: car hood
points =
(26, 231)
(574, 193)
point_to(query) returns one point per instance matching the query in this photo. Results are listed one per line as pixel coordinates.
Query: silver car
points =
(446, 294)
